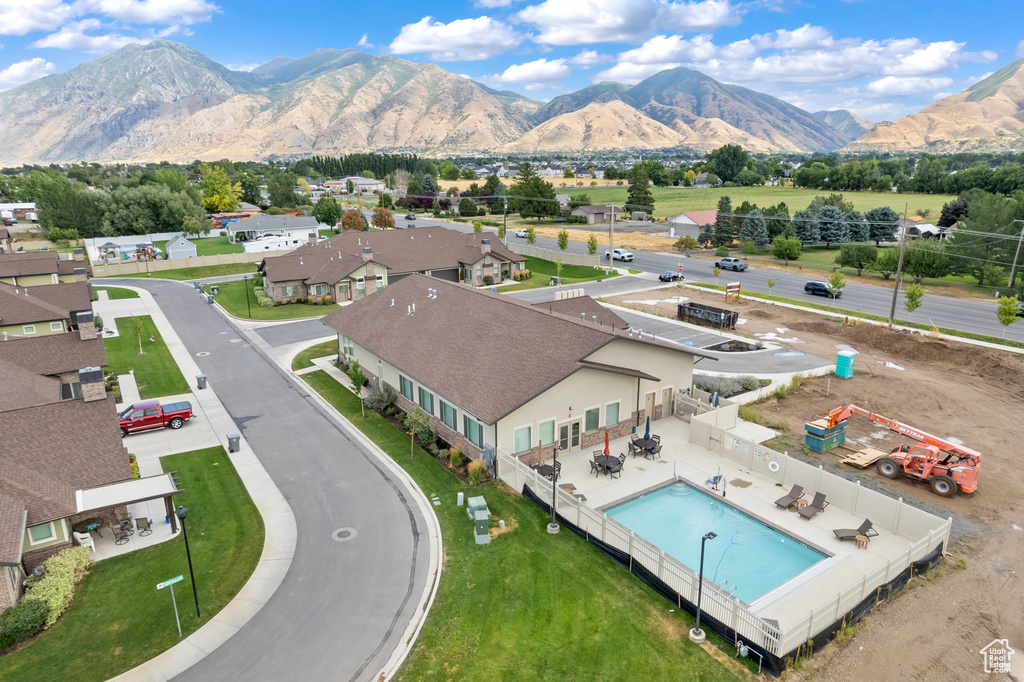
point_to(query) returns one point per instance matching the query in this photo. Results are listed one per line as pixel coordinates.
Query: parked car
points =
(150, 414)
(731, 264)
(670, 276)
(820, 289)
(411, 216)
(619, 254)
(521, 234)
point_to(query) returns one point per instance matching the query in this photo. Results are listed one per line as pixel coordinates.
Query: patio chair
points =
(85, 540)
(866, 529)
(633, 449)
(622, 458)
(125, 523)
(656, 438)
(616, 468)
(795, 494)
(656, 452)
(142, 523)
(595, 467)
(817, 504)
(121, 537)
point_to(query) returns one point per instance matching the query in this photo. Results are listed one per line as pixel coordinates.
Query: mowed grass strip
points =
(114, 293)
(206, 246)
(119, 619)
(544, 270)
(156, 372)
(198, 273)
(232, 299)
(529, 606)
(305, 357)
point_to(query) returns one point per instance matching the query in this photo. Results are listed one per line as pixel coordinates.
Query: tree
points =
(448, 171)
(532, 197)
(416, 424)
(748, 178)
(806, 224)
(952, 213)
(832, 225)
(912, 297)
(926, 258)
(882, 224)
(386, 201)
(771, 283)
(468, 174)
(838, 201)
(592, 244)
(577, 200)
(303, 186)
(138, 327)
(281, 188)
(429, 184)
(194, 225)
(149, 208)
(728, 161)
(707, 235)
(492, 186)
(219, 195)
(857, 227)
(567, 173)
(689, 177)
(686, 243)
(712, 179)
(353, 220)
(786, 248)
(558, 267)
(886, 263)
(382, 218)
(250, 189)
(723, 235)
(755, 228)
(327, 211)
(836, 282)
(990, 219)
(563, 239)
(531, 235)
(478, 227)
(857, 256)
(639, 195)
(1007, 312)
(467, 207)
(778, 220)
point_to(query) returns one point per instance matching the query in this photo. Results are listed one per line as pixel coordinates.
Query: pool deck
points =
(788, 604)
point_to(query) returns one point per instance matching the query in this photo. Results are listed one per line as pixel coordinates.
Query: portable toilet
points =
(844, 364)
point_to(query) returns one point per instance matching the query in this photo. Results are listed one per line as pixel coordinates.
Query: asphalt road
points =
(342, 607)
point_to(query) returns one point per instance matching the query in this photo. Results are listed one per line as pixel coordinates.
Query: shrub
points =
(380, 397)
(262, 300)
(749, 383)
(477, 471)
(5, 640)
(723, 386)
(721, 251)
(456, 457)
(443, 453)
(488, 280)
(64, 570)
(23, 620)
(257, 280)
(134, 465)
(748, 246)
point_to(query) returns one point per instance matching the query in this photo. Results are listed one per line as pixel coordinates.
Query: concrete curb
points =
(280, 530)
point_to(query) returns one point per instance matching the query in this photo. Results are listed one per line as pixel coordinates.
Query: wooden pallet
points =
(863, 458)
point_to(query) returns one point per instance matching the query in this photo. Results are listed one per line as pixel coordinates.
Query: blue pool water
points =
(747, 558)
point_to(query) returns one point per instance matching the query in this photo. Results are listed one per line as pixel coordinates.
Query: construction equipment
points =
(946, 466)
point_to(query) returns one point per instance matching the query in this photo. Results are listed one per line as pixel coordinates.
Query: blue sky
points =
(878, 58)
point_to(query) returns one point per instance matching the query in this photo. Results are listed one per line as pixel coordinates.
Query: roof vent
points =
(300, 260)
(583, 317)
(392, 303)
(593, 318)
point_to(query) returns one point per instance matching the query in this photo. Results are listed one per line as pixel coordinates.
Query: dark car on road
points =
(411, 216)
(670, 276)
(820, 289)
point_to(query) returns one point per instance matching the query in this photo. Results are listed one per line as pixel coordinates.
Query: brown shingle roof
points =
(572, 307)
(21, 387)
(4, 234)
(80, 447)
(25, 305)
(54, 354)
(450, 343)
(12, 529)
(400, 251)
(24, 264)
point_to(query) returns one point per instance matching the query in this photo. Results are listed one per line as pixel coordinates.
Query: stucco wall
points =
(41, 329)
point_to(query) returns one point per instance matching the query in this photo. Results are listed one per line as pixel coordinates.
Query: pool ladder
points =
(725, 586)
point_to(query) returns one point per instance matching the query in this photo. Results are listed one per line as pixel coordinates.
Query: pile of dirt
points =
(815, 326)
(760, 313)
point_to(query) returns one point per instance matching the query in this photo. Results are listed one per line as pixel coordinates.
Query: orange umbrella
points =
(607, 450)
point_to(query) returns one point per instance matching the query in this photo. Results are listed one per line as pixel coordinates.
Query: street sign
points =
(176, 579)
(680, 267)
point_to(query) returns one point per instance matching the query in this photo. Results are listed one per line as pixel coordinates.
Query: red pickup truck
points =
(150, 414)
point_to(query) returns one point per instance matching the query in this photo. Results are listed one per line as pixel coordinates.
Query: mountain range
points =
(166, 101)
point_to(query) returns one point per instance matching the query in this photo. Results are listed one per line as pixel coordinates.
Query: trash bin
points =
(202, 288)
(196, 285)
(233, 440)
(200, 381)
(214, 289)
(209, 298)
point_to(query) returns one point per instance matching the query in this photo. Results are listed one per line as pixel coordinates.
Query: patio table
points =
(606, 461)
(89, 525)
(645, 443)
(546, 470)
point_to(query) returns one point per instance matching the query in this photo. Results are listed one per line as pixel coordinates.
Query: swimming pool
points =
(748, 558)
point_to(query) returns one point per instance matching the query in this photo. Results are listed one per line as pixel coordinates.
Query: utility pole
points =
(504, 219)
(611, 241)
(899, 269)
(1013, 268)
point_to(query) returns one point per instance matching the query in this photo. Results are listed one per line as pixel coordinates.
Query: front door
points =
(667, 402)
(649, 404)
(569, 435)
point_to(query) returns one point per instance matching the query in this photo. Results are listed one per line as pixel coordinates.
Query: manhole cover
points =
(202, 353)
(344, 534)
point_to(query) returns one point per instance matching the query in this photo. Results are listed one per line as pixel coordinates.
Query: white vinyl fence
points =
(548, 254)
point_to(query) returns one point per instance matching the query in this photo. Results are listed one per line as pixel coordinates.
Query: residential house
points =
(54, 362)
(691, 223)
(180, 247)
(245, 207)
(39, 267)
(354, 264)
(5, 241)
(563, 200)
(19, 210)
(600, 213)
(301, 227)
(495, 373)
(360, 185)
(44, 310)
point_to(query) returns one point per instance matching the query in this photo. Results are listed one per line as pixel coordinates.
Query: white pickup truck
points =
(619, 254)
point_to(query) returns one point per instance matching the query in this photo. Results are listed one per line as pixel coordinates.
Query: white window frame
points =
(618, 404)
(361, 286)
(320, 289)
(53, 534)
(590, 409)
(28, 329)
(529, 439)
(56, 326)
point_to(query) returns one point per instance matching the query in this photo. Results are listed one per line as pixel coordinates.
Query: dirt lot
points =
(935, 630)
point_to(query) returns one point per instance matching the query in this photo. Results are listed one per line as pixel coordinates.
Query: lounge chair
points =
(866, 529)
(795, 494)
(816, 505)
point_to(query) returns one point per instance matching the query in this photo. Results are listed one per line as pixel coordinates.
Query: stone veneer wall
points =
(588, 441)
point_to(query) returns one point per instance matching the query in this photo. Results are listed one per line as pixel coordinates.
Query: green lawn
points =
(207, 246)
(544, 270)
(305, 358)
(114, 293)
(232, 298)
(531, 606)
(199, 273)
(156, 372)
(669, 201)
(119, 619)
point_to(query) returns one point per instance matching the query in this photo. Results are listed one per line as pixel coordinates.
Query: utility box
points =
(200, 381)
(555, 281)
(214, 289)
(481, 532)
(476, 504)
(234, 440)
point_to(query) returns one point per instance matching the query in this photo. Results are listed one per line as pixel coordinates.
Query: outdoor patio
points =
(104, 539)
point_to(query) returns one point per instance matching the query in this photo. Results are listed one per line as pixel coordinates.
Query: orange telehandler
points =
(946, 466)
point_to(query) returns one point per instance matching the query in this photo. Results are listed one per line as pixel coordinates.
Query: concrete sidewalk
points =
(279, 522)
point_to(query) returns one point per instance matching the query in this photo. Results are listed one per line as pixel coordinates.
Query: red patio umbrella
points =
(607, 450)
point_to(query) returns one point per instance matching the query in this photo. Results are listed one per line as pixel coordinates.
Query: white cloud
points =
(150, 11)
(1019, 51)
(460, 40)
(594, 21)
(539, 74)
(493, 3)
(18, 17)
(25, 71)
(73, 36)
(365, 41)
(927, 59)
(243, 67)
(894, 85)
(587, 58)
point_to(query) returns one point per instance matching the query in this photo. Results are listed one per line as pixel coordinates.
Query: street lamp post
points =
(696, 634)
(553, 526)
(181, 513)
